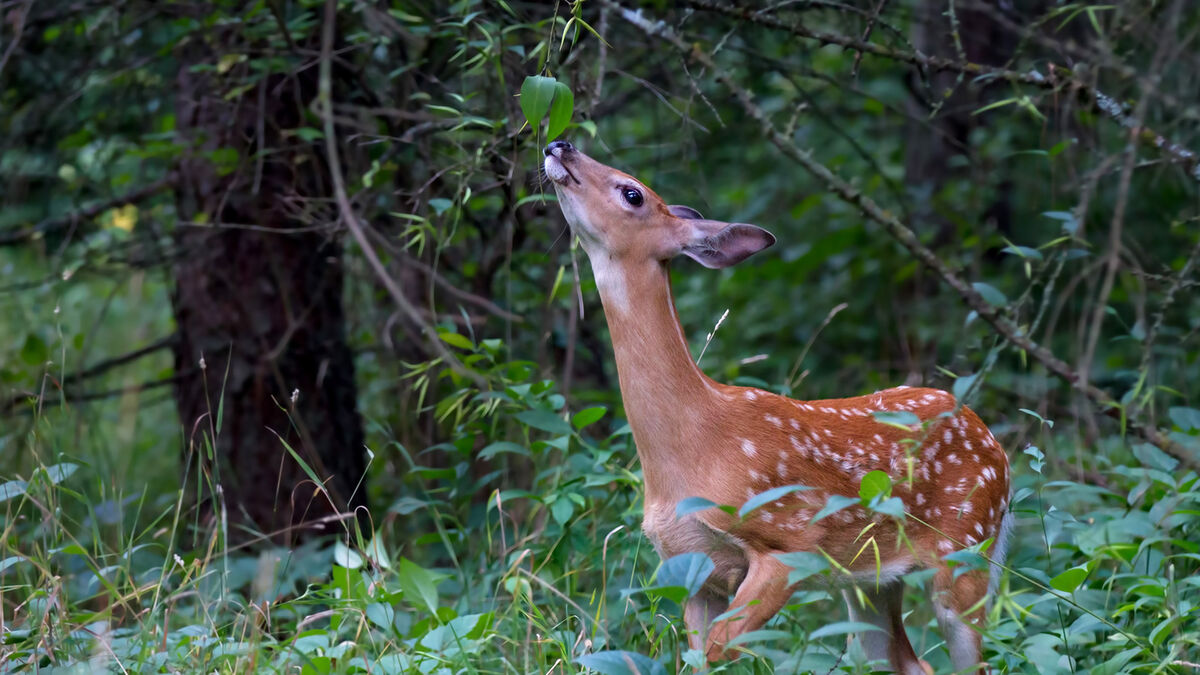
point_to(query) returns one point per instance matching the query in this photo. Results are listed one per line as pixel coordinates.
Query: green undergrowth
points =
(467, 574)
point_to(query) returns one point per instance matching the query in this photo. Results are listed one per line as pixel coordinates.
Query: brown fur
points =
(697, 437)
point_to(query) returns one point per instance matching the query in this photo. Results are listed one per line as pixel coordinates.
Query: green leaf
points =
(1049, 423)
(688, 571)
(588, 416)
(16, 488)
(562, 509)
(544, 420)
(897, 418)
(962, 385)
(34, 351)
(493, 449)
(804, 564)
(1187, 419)
(346, 557)
(456, 340)
(1154, 458)
(875, 483)
(536, 94)
(561, 110)
(1069, 580)
(381, 614)
(891, 506)
(440, 205)
(691, 505)
(760, 635)
(990, 294)
(418, 583)
(769, 496)
(57, 473)
(834, 504)
(842, 628)
(621, 663)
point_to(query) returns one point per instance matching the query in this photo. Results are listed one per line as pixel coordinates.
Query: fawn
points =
(697, 437)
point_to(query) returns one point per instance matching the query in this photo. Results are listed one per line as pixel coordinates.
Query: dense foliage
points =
(1042, 151)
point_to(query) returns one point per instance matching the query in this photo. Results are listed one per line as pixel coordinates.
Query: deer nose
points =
(558, 145)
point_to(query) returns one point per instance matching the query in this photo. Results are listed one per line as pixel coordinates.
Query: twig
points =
(324, 100)
(905, 236)
(116, 361)
(16, 235)
(1057, 78)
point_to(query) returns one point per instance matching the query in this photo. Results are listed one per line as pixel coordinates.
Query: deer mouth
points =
(557, 171)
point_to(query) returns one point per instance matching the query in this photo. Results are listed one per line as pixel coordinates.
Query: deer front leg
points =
(761, 595)
(698, 613)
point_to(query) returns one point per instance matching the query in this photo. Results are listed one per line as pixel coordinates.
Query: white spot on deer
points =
(781, 469)
(966, 508)
(948, 436)
(979, 481)
(767, 516)
(878, 439)
(748, 447)
(773, 420)
(979, 528)
(937, 467)
(828, 433)
(945, 546)
(967, 445)
(931, 451)
(971, 540)
(751, 395)
(920, 498)
(756, 476)
(795, 424)
(874, 457)
(953, 458)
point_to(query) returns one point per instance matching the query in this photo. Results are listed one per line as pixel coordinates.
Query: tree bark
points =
(258, 302)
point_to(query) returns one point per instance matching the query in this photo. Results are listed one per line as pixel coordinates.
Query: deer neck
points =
(667, 397)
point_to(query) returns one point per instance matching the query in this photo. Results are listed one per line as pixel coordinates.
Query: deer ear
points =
(715, 244)
(681, 211)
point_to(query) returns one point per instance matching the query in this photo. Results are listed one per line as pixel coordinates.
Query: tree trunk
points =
(262, 350)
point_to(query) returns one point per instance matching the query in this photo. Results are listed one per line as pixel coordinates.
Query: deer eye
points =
(632, 195)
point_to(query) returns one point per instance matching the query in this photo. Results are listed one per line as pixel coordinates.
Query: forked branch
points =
(904, 235)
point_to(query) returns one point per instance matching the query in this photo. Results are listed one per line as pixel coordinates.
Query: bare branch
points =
(905, 236)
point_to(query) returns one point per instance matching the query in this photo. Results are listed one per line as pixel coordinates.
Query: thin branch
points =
(1058, 77)
(325, 102)
(117, 361)
(16, 235)
(905, 236)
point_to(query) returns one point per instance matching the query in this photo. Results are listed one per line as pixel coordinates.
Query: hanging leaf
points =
(536, 94)
(561, 109)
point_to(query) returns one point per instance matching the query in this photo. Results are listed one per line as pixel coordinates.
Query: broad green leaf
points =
(621, 663)
(760, 635)
(804, 564)
(456, 340)
(990, 293)
(1069, 580)
(418, 584)
(875, 483)
(897, 418)
(771, 495)
(346, 557)
(34, 351)
(544, 420)
(536, 94)
(962, 385)
(842, 628)
(561, 109)
(588, 416)
(1187, 419)
(12, 488)
(691, 505)
(493, 449)
(688, 570)
(834, 504)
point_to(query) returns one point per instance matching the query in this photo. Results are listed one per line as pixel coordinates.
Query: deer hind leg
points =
(882, 607)
(960, 605)
(766, 583)
(698, 613)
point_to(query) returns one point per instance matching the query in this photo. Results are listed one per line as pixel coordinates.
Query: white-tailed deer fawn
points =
(698, 438)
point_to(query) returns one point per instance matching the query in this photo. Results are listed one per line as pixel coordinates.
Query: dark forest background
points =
(301, 370)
